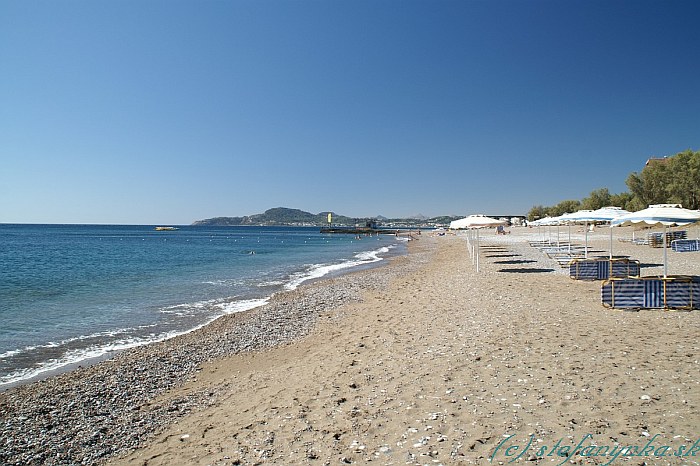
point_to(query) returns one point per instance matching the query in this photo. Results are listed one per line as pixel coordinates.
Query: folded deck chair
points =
(685, 245)
(673, 292)
(600, 268)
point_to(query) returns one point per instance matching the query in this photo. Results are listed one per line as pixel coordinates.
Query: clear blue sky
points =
(172, 111)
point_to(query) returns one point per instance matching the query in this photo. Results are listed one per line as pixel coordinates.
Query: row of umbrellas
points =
(666, 215)
(475, 223)
(604, 214)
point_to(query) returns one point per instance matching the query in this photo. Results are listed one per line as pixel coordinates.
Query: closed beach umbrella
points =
(668, 215)
(477, 222)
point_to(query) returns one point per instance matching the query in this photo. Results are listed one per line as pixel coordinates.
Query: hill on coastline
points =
(282, 216)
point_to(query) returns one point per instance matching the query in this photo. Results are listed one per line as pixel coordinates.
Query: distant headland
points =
(282, 216)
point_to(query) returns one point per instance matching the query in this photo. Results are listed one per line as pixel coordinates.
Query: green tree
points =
(565, 207)
(622, 200)
(674, 179)
(537, 212)
(683, 174)
(597, 199)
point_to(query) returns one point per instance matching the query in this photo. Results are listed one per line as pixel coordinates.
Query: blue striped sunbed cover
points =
(652, 293)
(685, 245)
(599, 269)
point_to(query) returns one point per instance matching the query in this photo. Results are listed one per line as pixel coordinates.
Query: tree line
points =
(669, 180)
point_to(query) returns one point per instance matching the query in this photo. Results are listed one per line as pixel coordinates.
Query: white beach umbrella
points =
(668, 215)
(460, 224)
(549, 222)
(604, 214)
(545, 222)
(608, 214)
(582, 216)
(482, 221)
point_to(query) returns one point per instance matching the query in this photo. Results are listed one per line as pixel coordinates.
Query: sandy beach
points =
(421, 361)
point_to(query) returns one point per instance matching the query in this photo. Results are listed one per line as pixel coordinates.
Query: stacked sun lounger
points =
(673, 292)
(640, 241)
(554, 250)
(685, 245)
(564, 254)
(565, 259)
(603, 268)
(656, 240)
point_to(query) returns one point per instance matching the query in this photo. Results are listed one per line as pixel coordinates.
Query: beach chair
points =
(685, 245)
(603, 268)
(656, 240)
(672, 292)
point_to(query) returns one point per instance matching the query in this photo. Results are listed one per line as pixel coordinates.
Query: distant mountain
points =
(283, 216)
(295, 217)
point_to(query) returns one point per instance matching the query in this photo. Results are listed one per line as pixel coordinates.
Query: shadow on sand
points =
(514, 262)
(526, 270)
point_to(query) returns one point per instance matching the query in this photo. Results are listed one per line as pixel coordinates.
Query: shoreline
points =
(64, 364)
(78, 429)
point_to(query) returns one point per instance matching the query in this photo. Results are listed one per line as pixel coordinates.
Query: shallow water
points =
(73, 292)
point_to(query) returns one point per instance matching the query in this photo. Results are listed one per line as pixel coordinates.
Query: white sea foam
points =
(270, 283)
(319, 270)
(75, 356)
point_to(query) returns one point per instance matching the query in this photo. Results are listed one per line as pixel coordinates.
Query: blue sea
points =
(69, 293)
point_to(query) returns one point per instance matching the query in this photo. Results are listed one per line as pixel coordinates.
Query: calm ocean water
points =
(74, 292)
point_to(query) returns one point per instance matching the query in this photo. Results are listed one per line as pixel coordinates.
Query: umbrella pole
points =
(473, 246)
(665, 254)
(569, 227)
(477, 250)
(469, 244)
(610, 272)
(558, 244)
(585, 249)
